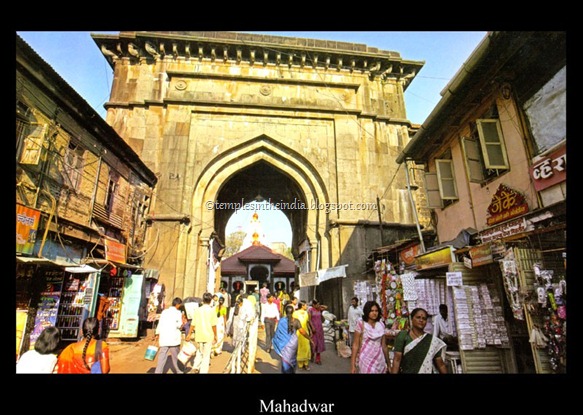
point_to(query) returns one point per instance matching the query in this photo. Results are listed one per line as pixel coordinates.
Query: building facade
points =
(494, 158)
(82, 196)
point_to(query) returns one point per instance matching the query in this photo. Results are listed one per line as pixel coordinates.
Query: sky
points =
(78, 60)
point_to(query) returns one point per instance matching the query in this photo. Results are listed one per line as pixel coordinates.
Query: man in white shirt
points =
(442, 327)
(269, 319)
(354, 316)
(169, 336)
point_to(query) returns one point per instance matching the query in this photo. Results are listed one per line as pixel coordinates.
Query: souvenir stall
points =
(538, 298)
(67, 298)
(124, 294)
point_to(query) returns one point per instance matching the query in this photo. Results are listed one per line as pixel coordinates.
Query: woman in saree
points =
(304, 347)
(369, 348)
(417, 351)
(221, 326)
(286, 338)
(80, 356)
(316, 319)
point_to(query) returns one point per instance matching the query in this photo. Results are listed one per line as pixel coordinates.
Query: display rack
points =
(70, 316)
(115, 294)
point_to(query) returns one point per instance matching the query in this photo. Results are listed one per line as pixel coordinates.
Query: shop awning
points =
(81, 269)
(31, 260)
(308, 279)
(45, 261)
(329, 273)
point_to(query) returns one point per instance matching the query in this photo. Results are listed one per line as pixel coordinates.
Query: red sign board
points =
(506, 204)
(551, 170)
(115, 251)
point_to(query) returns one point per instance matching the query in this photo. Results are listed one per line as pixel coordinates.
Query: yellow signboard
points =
(439, 258)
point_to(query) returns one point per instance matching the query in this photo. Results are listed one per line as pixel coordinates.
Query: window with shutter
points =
(446, 179)
(33, 144)
(432, 190)
(473, 158)
(492, 144)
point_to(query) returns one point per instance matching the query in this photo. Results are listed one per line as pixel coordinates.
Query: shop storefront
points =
(121, 287)
(50, 293)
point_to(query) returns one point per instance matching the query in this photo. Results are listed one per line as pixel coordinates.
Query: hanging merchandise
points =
(393, 306)
(362, 291)
(551, 295)
(510, 278)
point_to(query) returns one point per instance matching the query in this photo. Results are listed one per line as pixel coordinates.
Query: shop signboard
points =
(408, 255)
(453, 279)
(27, 220)
(550, 170)
(504, 230)
(439, 258)
(506, 204)
(481, 255)
(115, 251)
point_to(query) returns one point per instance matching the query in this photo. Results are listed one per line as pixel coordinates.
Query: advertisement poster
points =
(129, 319)
(48, 305)
(27, 221)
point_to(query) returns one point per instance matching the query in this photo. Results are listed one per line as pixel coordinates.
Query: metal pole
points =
(380, 220)
(210, 282)
(414, 208)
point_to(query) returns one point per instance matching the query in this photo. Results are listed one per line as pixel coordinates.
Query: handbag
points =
(96, 366)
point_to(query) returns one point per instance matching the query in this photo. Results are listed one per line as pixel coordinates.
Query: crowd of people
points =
(294, 331)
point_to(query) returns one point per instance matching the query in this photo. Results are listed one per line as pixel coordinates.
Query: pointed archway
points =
(293, 179)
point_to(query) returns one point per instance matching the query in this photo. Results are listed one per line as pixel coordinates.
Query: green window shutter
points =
(446, 179)
(432, 190)
(473, 158)
(492, 144)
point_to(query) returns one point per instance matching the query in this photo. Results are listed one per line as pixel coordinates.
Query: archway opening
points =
(262, 182)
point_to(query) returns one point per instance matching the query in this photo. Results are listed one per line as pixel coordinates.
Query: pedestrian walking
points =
(169, 336)
(269, 319)
(204, 326)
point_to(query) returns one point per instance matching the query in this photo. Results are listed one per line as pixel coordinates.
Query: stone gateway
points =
(225, 117)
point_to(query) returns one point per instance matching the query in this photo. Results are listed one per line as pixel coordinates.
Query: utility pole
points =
(380, 220)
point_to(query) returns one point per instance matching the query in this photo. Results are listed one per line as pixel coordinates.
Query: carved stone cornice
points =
(257, 50)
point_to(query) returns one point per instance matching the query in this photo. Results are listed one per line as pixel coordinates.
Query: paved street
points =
(127, 357)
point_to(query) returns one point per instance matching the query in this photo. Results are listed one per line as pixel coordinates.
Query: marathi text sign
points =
(453, 279)
(506, 204)
(551, 170)
(502, 231)
(27, 221)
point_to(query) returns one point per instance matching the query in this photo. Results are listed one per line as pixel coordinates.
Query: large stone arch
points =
(222, 167)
